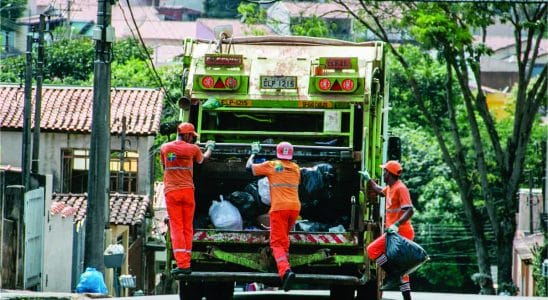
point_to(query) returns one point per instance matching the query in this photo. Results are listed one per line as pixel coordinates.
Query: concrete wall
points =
(526, 197)
(51, 144)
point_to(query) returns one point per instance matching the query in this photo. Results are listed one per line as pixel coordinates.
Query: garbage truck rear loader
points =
(327, 98)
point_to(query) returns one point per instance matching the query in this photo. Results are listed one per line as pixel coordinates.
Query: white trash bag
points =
(224, 215)
(264, 190)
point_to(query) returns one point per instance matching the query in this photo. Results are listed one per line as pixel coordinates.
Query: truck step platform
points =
(271, 278)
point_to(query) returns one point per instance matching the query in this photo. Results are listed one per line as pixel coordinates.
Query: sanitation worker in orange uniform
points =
(399, 210)
(284, 177)
(178, 158)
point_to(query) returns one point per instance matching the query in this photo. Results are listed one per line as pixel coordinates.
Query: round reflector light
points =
(207, 82)
(324, 84)
(348, 84)
(231, 82)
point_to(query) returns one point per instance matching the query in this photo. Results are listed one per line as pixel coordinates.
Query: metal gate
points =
(34, 223)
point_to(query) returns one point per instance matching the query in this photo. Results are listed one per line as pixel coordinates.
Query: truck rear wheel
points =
(342, 292)
(368, 291)
(219, 291)
(190, 290)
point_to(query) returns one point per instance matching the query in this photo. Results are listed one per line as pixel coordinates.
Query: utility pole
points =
(38, 97)
(122, 157)
(27, 113)
(99, 173)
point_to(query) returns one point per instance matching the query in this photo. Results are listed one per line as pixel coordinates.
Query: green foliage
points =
(69, 61)
(433, 27)
(10, 11)
(313, 26)
(129, 49)
(431, 77)
(132, 73)
(252, 13)
(541, 283)
(221, 8)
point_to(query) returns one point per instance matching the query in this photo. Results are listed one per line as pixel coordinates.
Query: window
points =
(124, 179)
(75, 169)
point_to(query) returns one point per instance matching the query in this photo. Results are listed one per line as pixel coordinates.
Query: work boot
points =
(286, 280)
(179, 272)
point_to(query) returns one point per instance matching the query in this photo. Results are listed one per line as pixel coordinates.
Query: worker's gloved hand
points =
(255, 148)
(210, 145)
(394, 228)
(365, 175)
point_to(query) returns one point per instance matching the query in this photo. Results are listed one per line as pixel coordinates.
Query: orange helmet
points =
(393, 167)
(284, 150)
(186, 127)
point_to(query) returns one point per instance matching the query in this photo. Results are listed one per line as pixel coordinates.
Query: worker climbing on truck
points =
(399, 210)
(178, 158)
(283, 177)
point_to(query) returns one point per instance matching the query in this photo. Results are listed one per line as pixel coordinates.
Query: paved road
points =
(309, 295)
(301, 295)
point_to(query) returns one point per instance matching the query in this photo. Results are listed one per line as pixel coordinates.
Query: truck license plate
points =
(278, 82)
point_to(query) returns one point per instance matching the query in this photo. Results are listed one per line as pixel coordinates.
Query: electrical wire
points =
(158, 78)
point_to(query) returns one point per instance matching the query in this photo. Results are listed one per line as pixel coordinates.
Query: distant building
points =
(64, 158)
(500, 70)
(282, 15)
(180, 10)
(529, 236)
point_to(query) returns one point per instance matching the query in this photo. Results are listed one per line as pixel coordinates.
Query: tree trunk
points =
(505, 242)
(480, 243)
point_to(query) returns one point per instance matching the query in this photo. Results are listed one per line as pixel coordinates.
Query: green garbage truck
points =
(329, 99)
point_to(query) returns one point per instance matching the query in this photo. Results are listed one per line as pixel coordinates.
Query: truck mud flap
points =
(272, 279)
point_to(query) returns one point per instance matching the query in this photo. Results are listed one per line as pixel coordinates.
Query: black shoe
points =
(288, 276)
(391, 282)
(178, 272)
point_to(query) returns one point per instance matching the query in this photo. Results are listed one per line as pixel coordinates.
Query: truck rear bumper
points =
(272, 279)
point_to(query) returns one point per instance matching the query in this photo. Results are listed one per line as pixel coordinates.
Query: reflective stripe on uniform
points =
(279, 259)
(182, 250)
(287, 185)
(177, 168)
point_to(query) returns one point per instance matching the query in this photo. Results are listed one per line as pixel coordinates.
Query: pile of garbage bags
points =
(247, 208)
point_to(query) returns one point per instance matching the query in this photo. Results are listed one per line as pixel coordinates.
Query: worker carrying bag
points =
(405, 255)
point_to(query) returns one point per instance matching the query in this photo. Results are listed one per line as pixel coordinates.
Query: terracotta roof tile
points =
(125, 209)
(69, 109)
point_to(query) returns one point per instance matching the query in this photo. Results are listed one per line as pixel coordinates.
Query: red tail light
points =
(348, 84)
(207, 82)
(231, 83)
(324, 84)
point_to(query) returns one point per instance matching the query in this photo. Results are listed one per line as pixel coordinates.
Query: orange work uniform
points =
(178, 159)
(397, 198)
(284, 177)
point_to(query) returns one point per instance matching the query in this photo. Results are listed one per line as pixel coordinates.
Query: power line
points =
(158, 78)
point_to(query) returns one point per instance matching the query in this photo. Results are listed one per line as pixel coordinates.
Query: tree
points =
(10, 11)
(221, 8)
(446, 27)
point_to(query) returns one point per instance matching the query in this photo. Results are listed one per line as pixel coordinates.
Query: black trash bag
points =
(253, 189)
(316, 192)
(201, 221)
(404, 255)
(248, 206)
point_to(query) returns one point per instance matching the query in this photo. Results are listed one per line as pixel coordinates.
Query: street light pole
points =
(99, 173)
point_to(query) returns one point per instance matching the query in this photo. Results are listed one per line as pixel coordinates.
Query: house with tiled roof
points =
(65, 134)
(282, 15)
(65, 234)
(64, 149)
